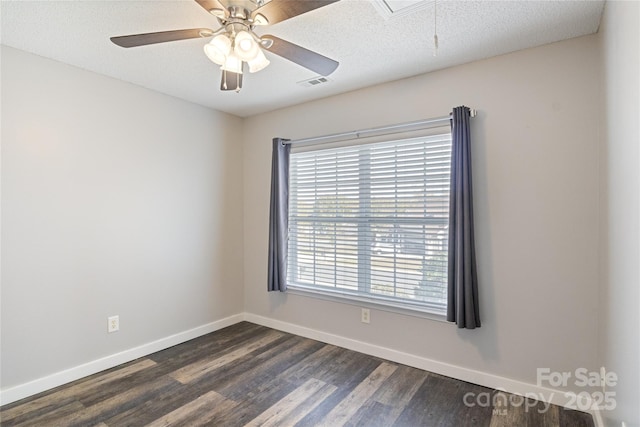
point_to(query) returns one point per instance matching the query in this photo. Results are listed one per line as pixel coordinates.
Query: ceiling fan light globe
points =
(245, 47)
(218, 49)
(258, 63)
(214, 55)
(233, 64)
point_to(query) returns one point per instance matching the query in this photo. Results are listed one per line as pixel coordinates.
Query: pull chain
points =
(435, 27)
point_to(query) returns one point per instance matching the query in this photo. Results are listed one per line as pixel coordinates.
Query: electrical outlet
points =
(113, 323)
(365, 315)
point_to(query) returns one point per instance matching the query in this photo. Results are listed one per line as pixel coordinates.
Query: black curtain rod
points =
(383, 130)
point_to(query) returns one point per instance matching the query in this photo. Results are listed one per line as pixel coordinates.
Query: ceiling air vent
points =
(316, 81)
(394, 8)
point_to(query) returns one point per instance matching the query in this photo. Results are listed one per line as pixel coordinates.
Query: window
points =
(371, 221)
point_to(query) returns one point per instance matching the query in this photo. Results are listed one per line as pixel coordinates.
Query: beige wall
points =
(535, 169)
(115, 200)
(619, 325)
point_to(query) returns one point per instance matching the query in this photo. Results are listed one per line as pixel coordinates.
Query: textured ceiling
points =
(371, 46)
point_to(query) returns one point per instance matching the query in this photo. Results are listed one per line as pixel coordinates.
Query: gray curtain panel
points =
(279, 216)
(462, 307)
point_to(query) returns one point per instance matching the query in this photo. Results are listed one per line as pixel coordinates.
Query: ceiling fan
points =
(235, 44)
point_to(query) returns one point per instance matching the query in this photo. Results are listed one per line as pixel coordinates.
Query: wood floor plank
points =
(207, 345)
(374, 414)
(388, 402)
(505, 414)
(346, 370)
(70, 392)
(40, 420)
(302, 410)
(545, 415)
(196, 407)
(571, 418)
(509, 410)
(193, 371)
(440, 401)
(340, 367)
(119, 386)
(401, 386)
(250, 407)
(350, 405)
(276, 414)
(254, 380)
(205, 416)
(146, 410)
(35, 411)
(310, 366)
(264, 368)
(102, 379)
(123, 401)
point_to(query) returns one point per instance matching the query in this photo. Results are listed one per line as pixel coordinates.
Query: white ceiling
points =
(371, 46)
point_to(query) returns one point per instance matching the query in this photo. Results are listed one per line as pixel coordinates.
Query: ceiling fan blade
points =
(161, 37)
(280, 10)
(210, 5)
(301, 56)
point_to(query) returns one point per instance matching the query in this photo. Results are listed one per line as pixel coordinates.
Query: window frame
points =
(397, 305)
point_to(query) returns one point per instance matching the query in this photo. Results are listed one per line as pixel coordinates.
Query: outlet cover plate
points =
(365, 315)
(113, 324)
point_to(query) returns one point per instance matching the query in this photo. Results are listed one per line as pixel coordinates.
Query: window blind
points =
(372, 220)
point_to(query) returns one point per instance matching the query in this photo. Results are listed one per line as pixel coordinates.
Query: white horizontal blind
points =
(372, 220)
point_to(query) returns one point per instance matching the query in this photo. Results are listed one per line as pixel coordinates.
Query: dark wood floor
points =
(255, 376)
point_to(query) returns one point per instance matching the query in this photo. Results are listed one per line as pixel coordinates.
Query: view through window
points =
(372, 221)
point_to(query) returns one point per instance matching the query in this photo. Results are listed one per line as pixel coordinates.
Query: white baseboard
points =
(597, 417)
(39, 385)
(509, 385)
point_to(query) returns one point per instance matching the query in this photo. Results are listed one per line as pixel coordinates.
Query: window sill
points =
(362, 301)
